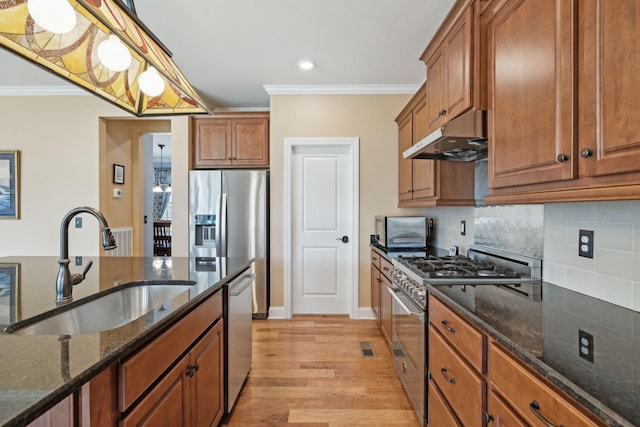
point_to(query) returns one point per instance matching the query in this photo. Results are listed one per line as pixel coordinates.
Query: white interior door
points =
(323, 228)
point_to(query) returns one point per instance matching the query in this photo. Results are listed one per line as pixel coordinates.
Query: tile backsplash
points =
(612, 275)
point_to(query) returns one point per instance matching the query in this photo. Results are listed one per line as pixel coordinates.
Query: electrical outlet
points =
(463, 227)
(78, 260)
(585, 345)
(585, 243)
(78, 222)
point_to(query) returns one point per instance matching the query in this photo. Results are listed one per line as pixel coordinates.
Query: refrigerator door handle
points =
(222, 226)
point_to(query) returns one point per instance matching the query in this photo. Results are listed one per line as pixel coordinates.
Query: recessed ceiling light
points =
(306, 64)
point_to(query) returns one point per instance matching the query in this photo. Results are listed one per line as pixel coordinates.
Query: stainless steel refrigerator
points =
(229, 217)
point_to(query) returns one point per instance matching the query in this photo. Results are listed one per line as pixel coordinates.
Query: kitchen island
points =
(38, 371)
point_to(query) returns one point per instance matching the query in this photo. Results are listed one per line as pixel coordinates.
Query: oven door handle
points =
(411, 314)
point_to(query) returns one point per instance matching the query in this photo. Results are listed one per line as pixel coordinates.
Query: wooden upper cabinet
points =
(531, 106)
(428, 182)
(562, 100)
(609, 129)
(229, 142)
(450, 68)
(405, 166)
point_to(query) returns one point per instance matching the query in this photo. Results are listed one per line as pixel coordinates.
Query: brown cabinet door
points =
(457, 66)
(375, 292)
(207, 399)
(423, 170)
(435, 91)
(461, 386)
(405, 166)
(531, 46)
(250, 145)
(608, 87)
(167, 404)
(386, 302)
(212, 142)
(439, 412)
(500, 413)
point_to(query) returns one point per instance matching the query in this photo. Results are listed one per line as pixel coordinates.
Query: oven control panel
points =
(414, 289)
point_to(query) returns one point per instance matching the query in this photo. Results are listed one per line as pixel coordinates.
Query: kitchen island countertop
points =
(35, 373)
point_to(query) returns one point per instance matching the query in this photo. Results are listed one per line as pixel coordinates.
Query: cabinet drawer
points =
(520, 388)
(439, 412)
(375, 259)
(137, 373)
(501, 414)
(461, 386)
(386, 267)
(464, 338)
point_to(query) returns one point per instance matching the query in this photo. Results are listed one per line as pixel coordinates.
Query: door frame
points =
(290, 144)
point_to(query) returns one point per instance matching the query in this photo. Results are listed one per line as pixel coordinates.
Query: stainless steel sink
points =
(106, 312)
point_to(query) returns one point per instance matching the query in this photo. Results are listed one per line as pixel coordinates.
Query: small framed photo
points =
(9, 184)
(9, 293)
(118, 174)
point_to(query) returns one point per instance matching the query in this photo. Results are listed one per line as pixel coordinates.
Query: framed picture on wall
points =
(9, 293)
(118, 174)
(9, 184)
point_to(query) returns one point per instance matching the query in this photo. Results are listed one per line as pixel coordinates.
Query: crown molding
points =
(241, 110)
(341, 89)
(42, 91)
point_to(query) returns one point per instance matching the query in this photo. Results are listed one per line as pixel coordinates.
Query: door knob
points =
(344, 239)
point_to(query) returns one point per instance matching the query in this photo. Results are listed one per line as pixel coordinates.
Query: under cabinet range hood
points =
(462, 139)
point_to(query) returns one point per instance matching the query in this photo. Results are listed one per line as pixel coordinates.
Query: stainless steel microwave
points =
(402, 231)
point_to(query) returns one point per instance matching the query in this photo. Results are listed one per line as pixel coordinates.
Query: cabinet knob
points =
(585, 152)
(488, 417)
(562, 158)
(442, 112)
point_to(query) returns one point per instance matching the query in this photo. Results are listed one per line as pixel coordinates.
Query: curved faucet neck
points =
(66, 221)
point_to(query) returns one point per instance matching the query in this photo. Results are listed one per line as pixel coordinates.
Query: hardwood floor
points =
(309, 371)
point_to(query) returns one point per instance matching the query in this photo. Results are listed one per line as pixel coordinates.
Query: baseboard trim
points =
(276, 313)
(366, 313)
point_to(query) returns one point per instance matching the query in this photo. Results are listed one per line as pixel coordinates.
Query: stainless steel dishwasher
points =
(238, 316)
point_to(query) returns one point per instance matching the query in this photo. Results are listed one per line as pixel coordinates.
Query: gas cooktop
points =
(482, 265)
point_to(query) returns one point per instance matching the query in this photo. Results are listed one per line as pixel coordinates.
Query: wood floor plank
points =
(309, 372)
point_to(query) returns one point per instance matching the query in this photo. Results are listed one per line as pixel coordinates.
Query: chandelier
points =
(162, 185)
(102, 47)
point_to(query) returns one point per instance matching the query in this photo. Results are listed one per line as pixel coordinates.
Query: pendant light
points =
(161, 186)
(103, 47)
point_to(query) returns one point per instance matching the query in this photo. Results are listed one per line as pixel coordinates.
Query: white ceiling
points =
(230, 49)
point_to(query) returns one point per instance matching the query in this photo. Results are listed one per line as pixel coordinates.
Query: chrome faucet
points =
(66, 280)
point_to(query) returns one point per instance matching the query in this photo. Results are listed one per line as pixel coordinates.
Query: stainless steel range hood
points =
(462, 139)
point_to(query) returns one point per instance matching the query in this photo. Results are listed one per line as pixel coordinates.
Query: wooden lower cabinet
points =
(439, 412)
(191, 394)
(530, 396)
(500, 415)
(375, 292)
(461, 386)
(386, 302)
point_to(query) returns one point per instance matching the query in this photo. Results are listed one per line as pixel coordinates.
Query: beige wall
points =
(368, 117)
(61, 168)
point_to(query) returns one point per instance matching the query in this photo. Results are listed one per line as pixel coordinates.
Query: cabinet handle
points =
(562, 158)
(585, 152)
(535, 408)
(444, 374)
(448, 328)
(488, 417)
(192, 370)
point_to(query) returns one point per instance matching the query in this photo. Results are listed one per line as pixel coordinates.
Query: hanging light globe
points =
(113, 54)
(55, 16)
(151, 82)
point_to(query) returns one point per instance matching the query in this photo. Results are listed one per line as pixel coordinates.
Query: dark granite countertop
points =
(544, 334)
(35, 372)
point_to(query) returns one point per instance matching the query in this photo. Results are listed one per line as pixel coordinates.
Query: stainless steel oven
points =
(411, 275)
(409, 347)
